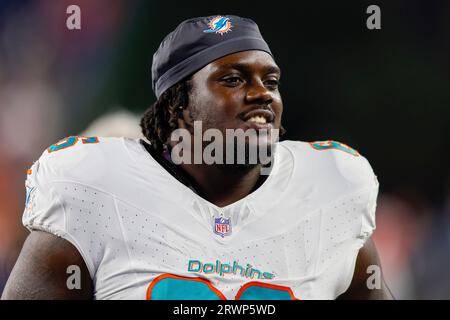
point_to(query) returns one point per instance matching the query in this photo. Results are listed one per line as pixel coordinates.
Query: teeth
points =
(257, 119)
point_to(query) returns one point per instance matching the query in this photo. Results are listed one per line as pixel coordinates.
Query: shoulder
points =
(333, 161)
(81, 158)
(73, 179)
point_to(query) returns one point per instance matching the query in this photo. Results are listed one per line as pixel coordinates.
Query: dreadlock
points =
(160, 119)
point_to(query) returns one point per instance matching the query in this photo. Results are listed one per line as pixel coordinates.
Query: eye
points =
(232, 81)
(272, 83)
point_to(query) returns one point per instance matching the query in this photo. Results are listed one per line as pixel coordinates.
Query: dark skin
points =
(222, 92)
(40, 271)
(358, 289)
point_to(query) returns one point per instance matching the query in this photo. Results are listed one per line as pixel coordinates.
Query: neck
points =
(223, 185)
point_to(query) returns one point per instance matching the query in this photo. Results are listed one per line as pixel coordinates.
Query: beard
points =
(245, 152)
(213, 143)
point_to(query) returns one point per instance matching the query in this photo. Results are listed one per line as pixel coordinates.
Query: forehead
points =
(253, 59)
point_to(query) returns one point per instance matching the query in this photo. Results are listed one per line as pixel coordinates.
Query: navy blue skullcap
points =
(199, 41)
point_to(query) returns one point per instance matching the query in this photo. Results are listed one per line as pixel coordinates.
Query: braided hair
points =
(160, 119)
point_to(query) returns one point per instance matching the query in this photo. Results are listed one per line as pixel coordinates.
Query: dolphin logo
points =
(219, 24)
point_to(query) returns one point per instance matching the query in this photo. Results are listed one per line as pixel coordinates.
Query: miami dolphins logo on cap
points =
(219, 24)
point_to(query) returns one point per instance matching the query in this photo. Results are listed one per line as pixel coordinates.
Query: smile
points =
(259, 116)
(257, 119)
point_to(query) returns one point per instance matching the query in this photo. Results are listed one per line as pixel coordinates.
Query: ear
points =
(185, 120)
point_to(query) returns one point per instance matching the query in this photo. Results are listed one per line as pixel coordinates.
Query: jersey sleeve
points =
(43, 210)
(46, 207)
(368, 224)
(353, 184)
(346, 212)
(358, 172)
(350, 221)
(63, 198)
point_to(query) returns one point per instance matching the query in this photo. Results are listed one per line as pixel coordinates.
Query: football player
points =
(117, 218)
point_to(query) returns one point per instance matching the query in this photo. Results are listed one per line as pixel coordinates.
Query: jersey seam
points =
(358, 238)
(125, 239)
(86, 257)
(127, 150)
(349, 269)
(311, 213)
(115, 198)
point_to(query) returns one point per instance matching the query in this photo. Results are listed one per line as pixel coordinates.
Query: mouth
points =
(259, 117)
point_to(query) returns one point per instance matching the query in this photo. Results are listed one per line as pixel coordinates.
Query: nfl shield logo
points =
(222, 226)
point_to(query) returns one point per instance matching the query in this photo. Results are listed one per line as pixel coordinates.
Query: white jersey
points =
(145, 235)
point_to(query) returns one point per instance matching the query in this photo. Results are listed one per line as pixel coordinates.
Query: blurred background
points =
(384, 92)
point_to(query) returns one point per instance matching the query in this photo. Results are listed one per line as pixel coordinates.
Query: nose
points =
(258, 93)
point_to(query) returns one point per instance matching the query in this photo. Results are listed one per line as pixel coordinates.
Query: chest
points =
(184, 258)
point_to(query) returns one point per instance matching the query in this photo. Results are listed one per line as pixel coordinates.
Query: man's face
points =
(224, 91)
(238, 91)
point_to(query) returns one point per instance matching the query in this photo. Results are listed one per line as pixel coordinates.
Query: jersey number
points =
(70, 142)
(329, 144)
(171, 287)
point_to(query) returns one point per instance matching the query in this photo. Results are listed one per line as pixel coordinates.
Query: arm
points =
(359, 289)
(41, 270)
